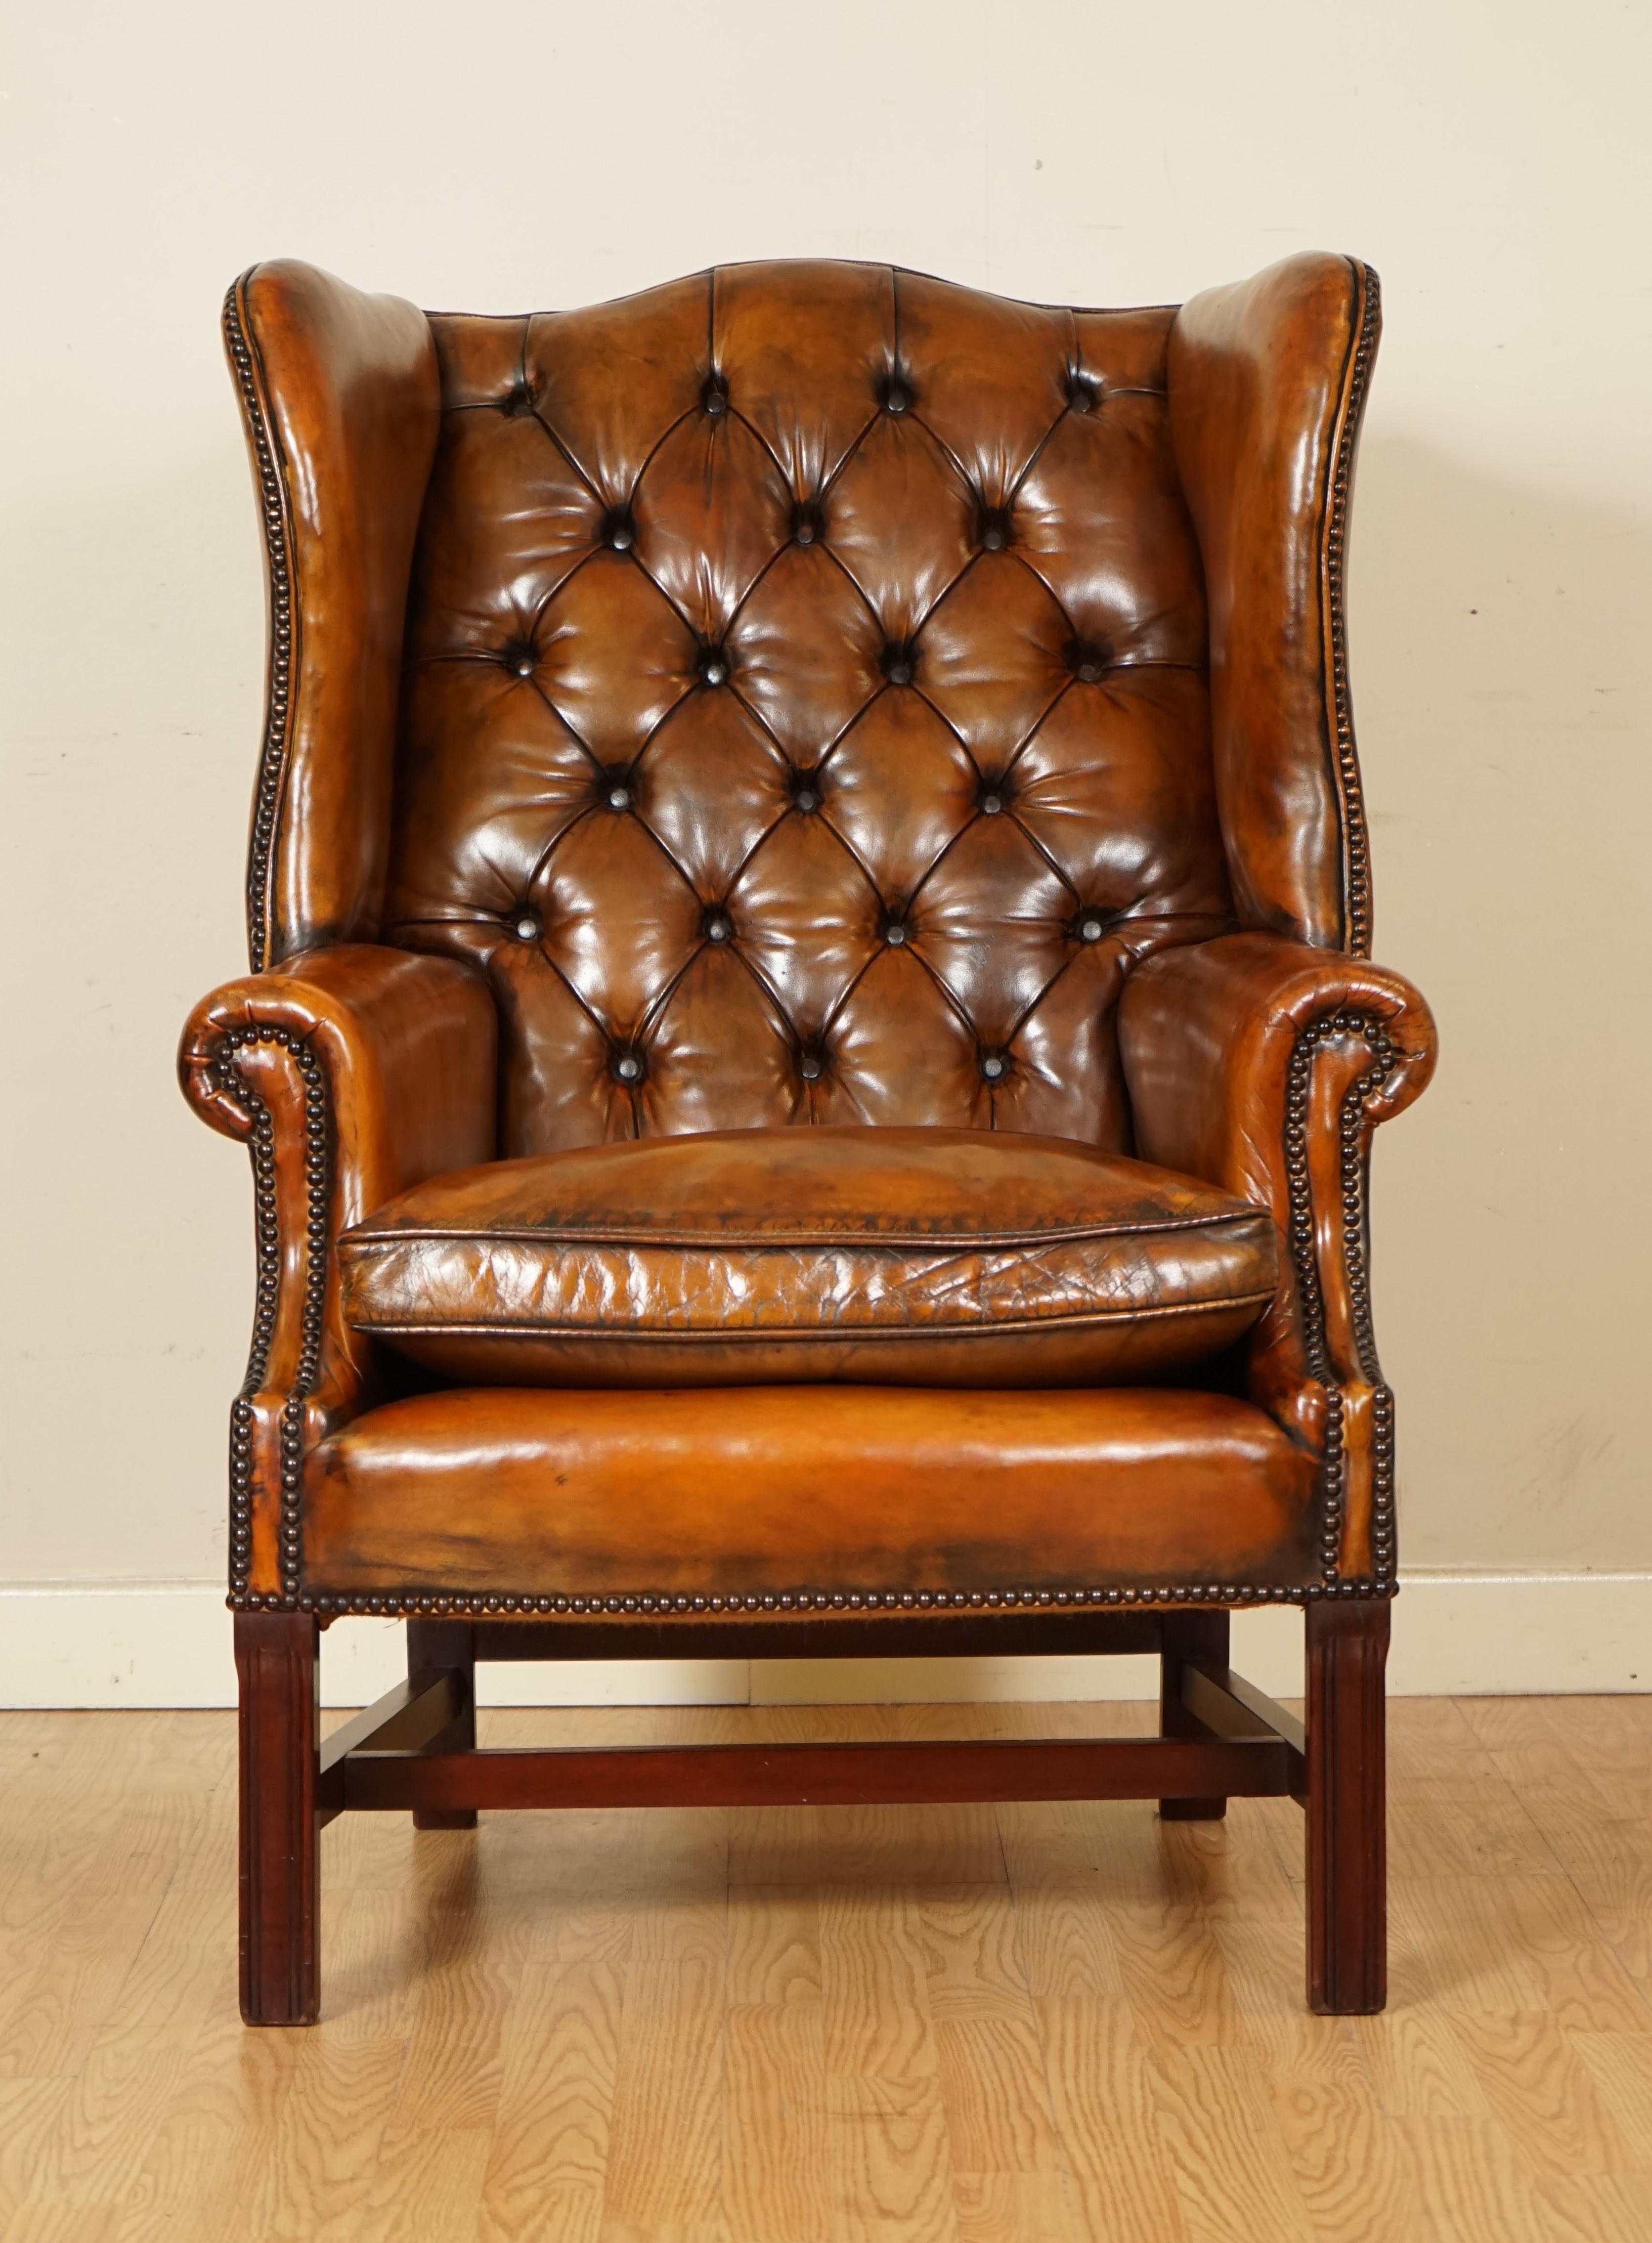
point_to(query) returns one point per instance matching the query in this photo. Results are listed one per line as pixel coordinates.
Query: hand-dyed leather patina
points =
(809, 1492)
(773, 790)
(947, 1257)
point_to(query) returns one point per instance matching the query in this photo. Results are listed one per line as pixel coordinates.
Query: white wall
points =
(1489, 159)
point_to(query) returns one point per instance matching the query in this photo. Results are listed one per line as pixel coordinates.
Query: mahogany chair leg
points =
(275, 1659)
(1347, 1806)
(1202, 1638)
(450, 1643)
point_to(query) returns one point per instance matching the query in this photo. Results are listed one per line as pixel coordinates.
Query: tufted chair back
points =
(805, 716)
(803, 711)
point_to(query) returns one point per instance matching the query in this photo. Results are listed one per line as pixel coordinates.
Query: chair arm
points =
(1264, 1065)
(352, 1072)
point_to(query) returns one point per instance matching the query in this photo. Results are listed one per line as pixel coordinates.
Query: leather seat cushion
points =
(788, 1492)
(953, 1258)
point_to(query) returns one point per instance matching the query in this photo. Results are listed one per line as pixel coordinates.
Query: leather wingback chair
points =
(810, 1052)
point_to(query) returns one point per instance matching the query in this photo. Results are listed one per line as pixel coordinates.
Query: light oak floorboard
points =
(1062, 2022)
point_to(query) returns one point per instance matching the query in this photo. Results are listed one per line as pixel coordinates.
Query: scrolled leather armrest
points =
(1207, 1031)
(352, 1072)
(1264, 1065)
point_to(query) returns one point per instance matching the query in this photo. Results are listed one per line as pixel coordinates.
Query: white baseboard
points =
(167, 1643)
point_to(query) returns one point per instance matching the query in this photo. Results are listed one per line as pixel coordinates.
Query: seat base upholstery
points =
(801, 1492)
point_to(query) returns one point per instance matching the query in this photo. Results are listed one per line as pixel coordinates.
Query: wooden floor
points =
(700, 2026)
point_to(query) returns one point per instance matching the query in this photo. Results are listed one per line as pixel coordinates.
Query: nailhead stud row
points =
(273, 752)
(318, 1180)
(1353, 808)
(1381, 1582)
(797, 1603)
(1305, 1262)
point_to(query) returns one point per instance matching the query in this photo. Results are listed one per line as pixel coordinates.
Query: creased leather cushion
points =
(855, 1492)
(953, 1258)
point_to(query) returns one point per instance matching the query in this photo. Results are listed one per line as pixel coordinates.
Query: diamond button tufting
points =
(795, 747)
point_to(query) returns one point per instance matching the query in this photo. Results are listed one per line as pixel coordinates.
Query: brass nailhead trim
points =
(483, 1604)
(318, 1177)
(803, 1602)
(271, 773)
(837, 1603)
(271, 762)
(1353, 809)
(1304, 1263)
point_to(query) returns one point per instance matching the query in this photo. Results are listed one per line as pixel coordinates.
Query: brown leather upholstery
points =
(1266, 382)
(800, 1497)
(946, 1257)
(351, 1073)
(808, 694)
(339, 396)
(805, 715)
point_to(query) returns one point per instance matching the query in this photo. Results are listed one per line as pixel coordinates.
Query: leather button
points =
(1083, 391)
(716, 396)
(628, 1066)
(719, 927)
(520, 658)
(806, 793)
(714, 669)
(517, 399)
(897, 395)
(807, 523)
(1091, 929)
(992, 801)
(993, 1066)
(619, 531)
(894, 935)
(994, 531)
(811, 1067)
(899, 664)
(528, 927)
(1086, 662)
(618, 795)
